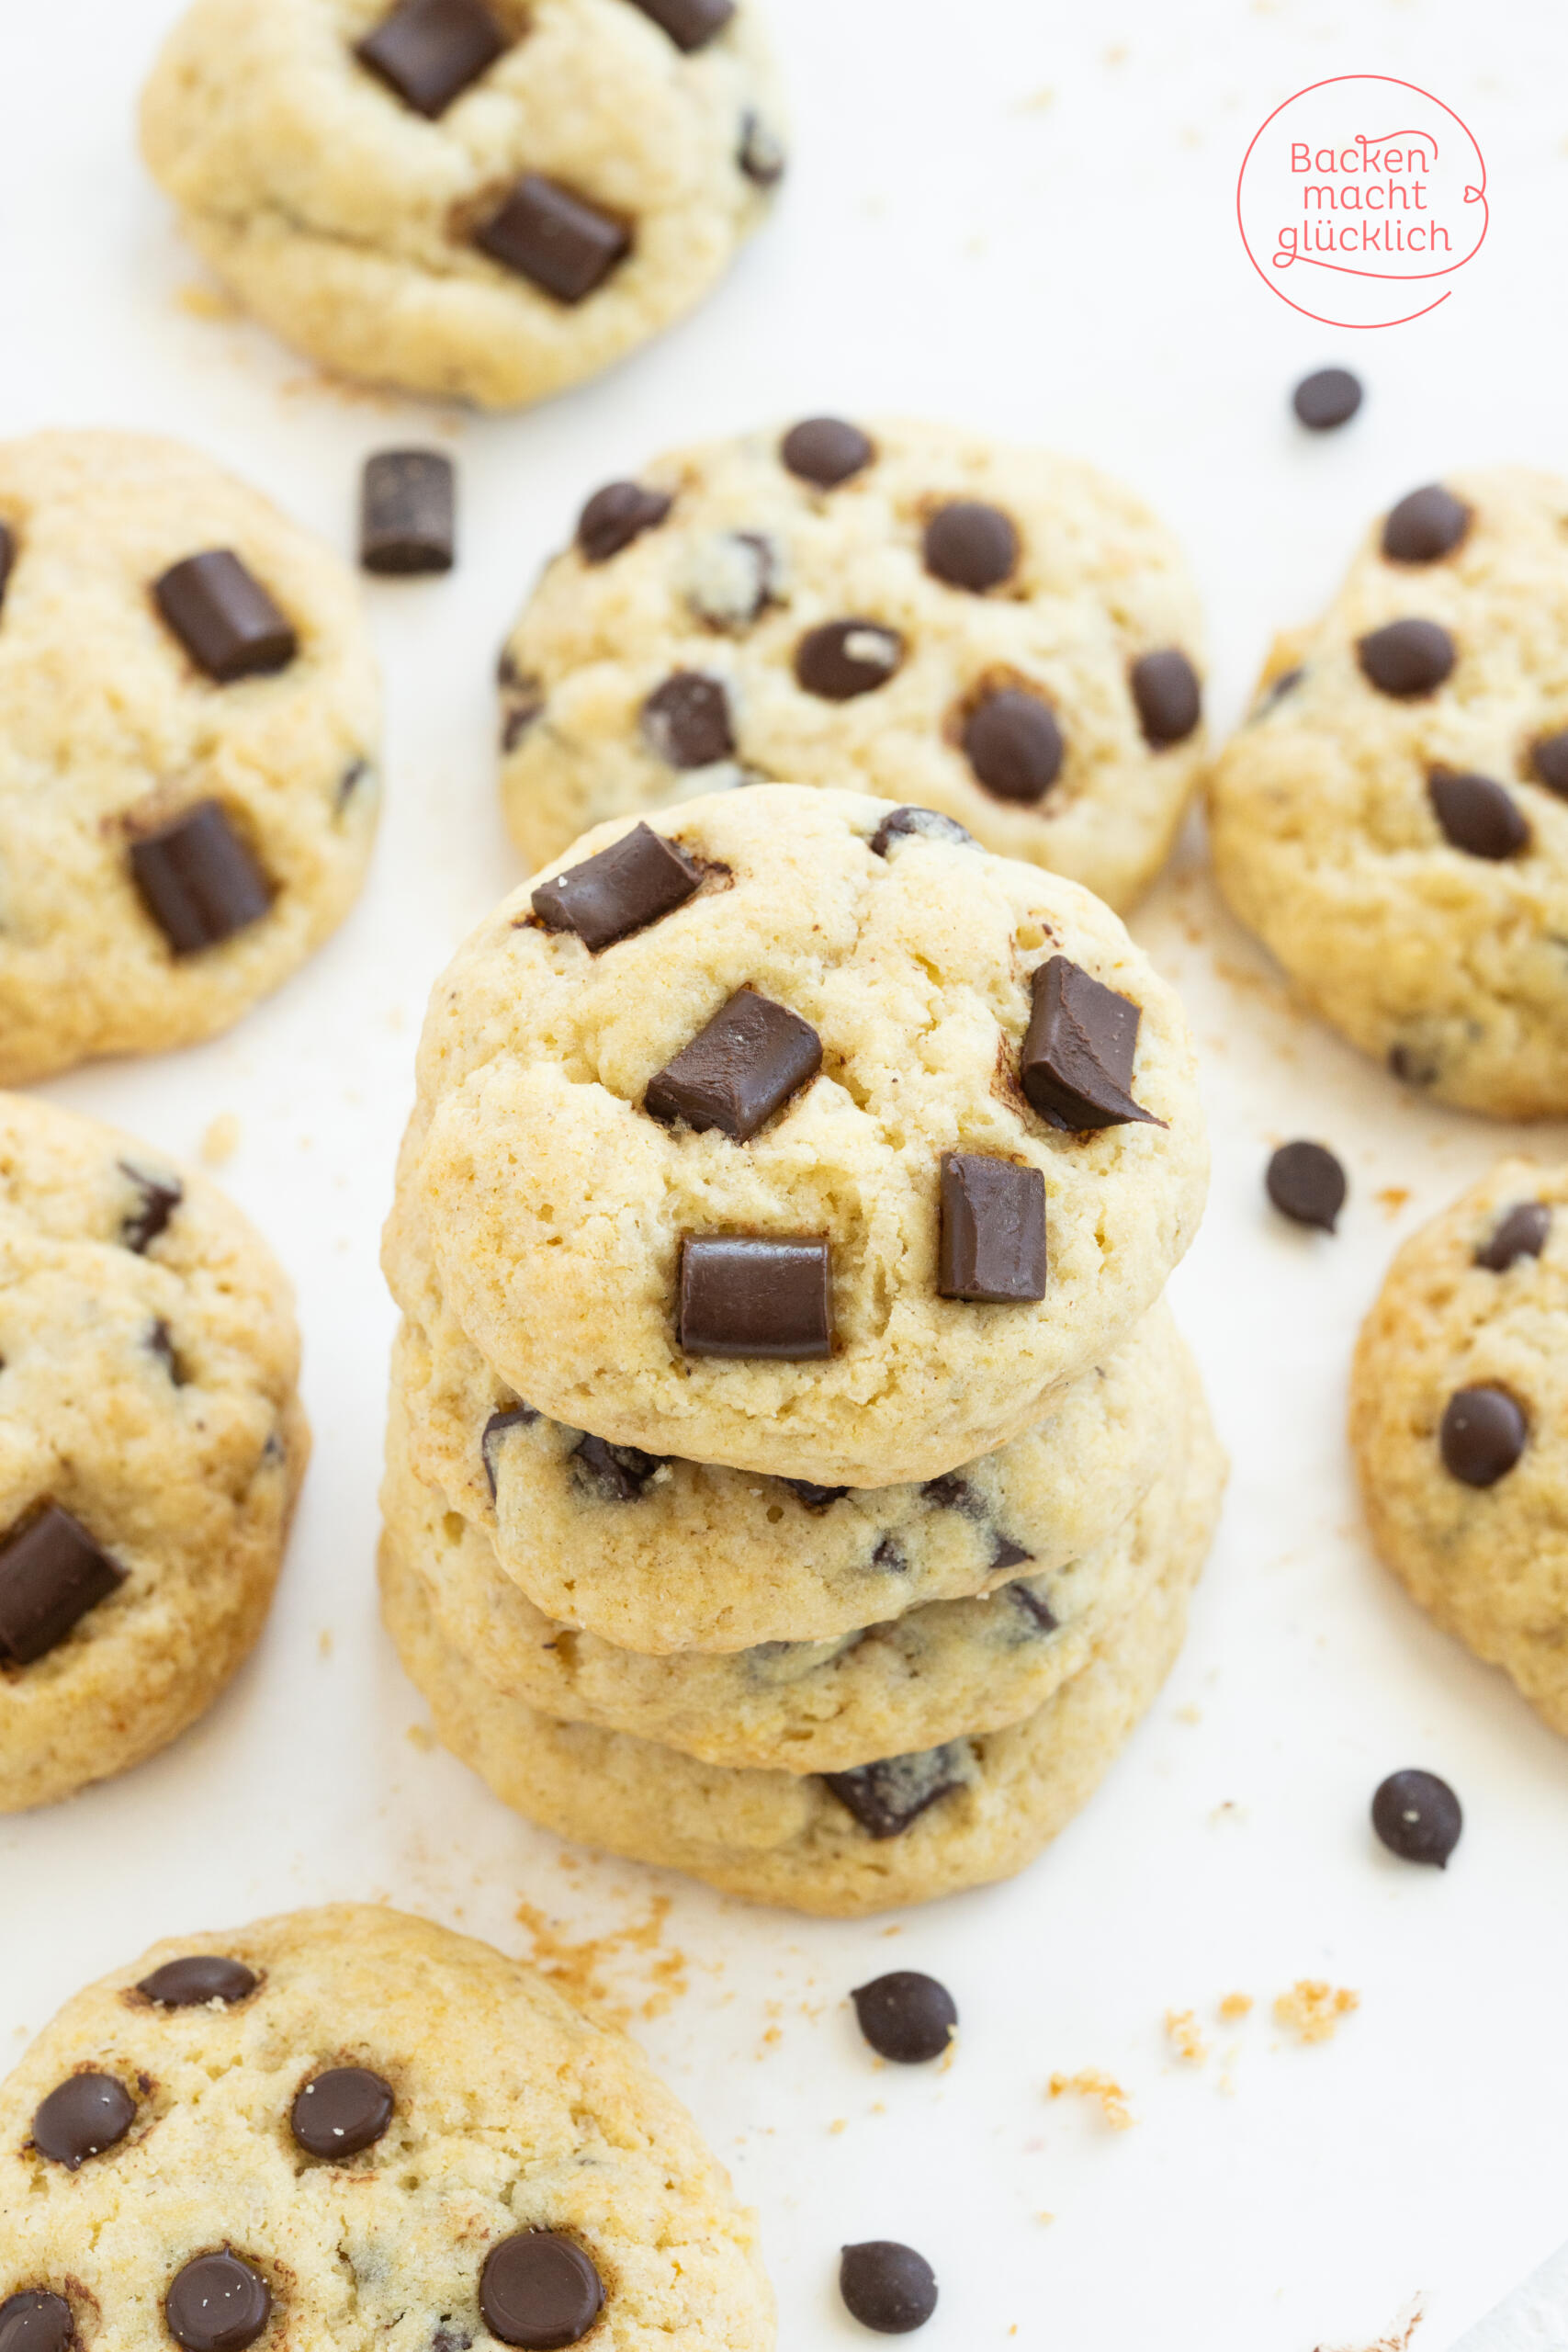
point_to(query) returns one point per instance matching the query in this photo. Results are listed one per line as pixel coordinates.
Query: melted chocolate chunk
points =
(1276, 691)
(738, 1071)
(522, 700)
(85, 2115)
(744, 1296)
(160, 1341)
(1006, 1554)
(192, 1983)
(971, 546)
(8, 556)
(1077, 1065)
(1166, 696)
(1477, 815)
(198, 880)
(515, 1416)
(1014, 744)
(348, 784)
(617, 1473)
(1417, 1816)
(827, 451)
(888, 1558)
(616, 515)
(159, 1200)
(430, 51)
(691, 23)
(993, 1230)
(886, 1798)
(843, 660)
(539, 2290)
(760, 154)
(950, 1492)
(36, 2320)
(1483, 1435)
(814, 1496)
(216, 2303)
(1549, 763)
(224, 617)
(51, 1573)
(888, 2288)
(1406, 659)
(1032, 1605)
(1521, 1234)
(634, 882)
(906, 2017)
(558, 241)
(408, 511)
(341, 2112)
(1327, 400)
(919, 824)
(1306, 1183)
(1426, 524)
(686, 720)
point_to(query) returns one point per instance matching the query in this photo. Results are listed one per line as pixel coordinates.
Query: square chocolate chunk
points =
(51, 1573)
(993, 1230)
(735, 1073)
(198, 880)
(224, 617)
(744, 1296)
(560, 240)
(1077, 1055)
(407, 512)
(886, 1798)
(430, 51)
(8, 556)
(691, 23)
(634, 882)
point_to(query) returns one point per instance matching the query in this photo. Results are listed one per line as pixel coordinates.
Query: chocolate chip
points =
(1306, 1183)
(51, 1573)
(85, 2115)
(1418, 1817)
(921, 824)
(36, 2320)
(1014, 744)
(1077, 1065)
(216, 2303)
(1477, 815)
(160, 1198)
(429, 52)
(161, 1342)
(1483, 1435)
(950, 1492)
(1043, 1618)
(1328, 399)
(198, 879)
(616, 515)
(1413, 1067)
(884, 1798)
(1406, 658)
(1276, 690)
(686, 720)
(691, 23)
(557, 239)
(887, 2287)
(522, 700)
(224, 617)
(634, 882)
(993, 1230)
(741, 1296)
(827, 451)
(618, 1473)
(348, 784)
(341, 2112)
(8, 556)
(731, 579)
(1549, 763)
(540, 2291)
(1006, 1554)
(1168, 696)
(1426, 524)
(450, 2339)
(843, 659)
(888, 1559)
(906, 2017)
(191, 1983)
(738, 1071)
(407, 512)
(761, 155)
(814, 1496)
(972, 545)
(1521, 1234)
(517, 1416)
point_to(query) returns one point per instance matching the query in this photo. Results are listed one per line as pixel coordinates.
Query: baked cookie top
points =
(1000, 633)
(748, 1138)
(150, 1443)
(1392, 821)
(348, 2127)
(1459, 1422)
(491, 198)
(188, 730)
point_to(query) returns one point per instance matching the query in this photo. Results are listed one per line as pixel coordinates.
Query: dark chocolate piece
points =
(51, 1573)
(1276, 691)
(738, 1071)
(906, 2017)
(224, 617)
(7, 556)
(1077, 1065)
(888, 1558)
(407, 512)
(993, 1230)
(540, 2291)
(522, 700)
(1549, 763)
(85, 2115)
(1521, 1234)
(950, 1492)
(430, 51)
(634, 882)
(1168, 696)
(515, 1416)
(616, 515)
(349, 782)
(1477, 814)
(192, 1982)
(1306, 1183)
(1418, 1817)
(923, 824)
(160, 1341)
(814, 1496)
(748, 1296)
(845, 658)
(827, 451)
(618, 1473)
(340, 2112)
(36, 2320)
(972, 545)
(1426, 524)
(686, 720)
(888, 2288)
(1014, 744)
(198, 880)
(1327, 400)
(1006, 1554)
(1406, 659)
(557, 239)
(760, 154)
(141, 1228)
(216, 2303)
(691, 23)
(1043, 1618)
(1483, 1435)
(886, 1798)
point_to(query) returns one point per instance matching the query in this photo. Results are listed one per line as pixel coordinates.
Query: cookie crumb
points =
(839, 2123)
(1311, 2009)
(1392, 1198)
(203, 301)
(578, 1968)
(1182, 2027)
(1236, 2005)
(324, 1640)
(420, 1736)
(221, 1139)
(1110, 2097)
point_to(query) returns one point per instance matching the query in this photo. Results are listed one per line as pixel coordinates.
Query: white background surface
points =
(953, 241)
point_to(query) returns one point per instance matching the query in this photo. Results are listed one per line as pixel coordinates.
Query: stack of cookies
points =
(793, 1474)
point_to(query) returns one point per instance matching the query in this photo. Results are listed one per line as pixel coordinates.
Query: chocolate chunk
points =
(1168, 696)
(540, 2291)
(738, 1071)
(923, 824)
(744, 1296)
(1426, 524)
(1413, 1067)
(691, 23)
(342, 2111)
(1043, 1618)
(224, 617)
(216, 2303)
(732, 579)
(51, 1573)
(517, 1416)
(618, 1473)
(814, 1496)
(1276, 690)
(1483, 1435)
(1014, 744)
(971, 546)
(160, 1341)
(429, 52)
(1418, 1817)
(993, 1230)
(887, 2287)
(191, 1983)
(198, 880)
(1328, 399)
(1521, 1234)
(1406, 659)
(85, 2115)
(557, 239)
(348, 784)
(634, 882)
(686, 720)
(843, 659)
(888, 1559)
(522, 700)
(950, 1492)
(159, 1199)
(1306, 1183)
(1477, 815)
(36, 2320)
(407, 512)
(8, 556)
(886, 1798)
(827, 451)
(616, 515)
(906, 2017)
(1077, 1065)
(1006, 1554)
(450, 2339)
(760, 154)
(1549, 763)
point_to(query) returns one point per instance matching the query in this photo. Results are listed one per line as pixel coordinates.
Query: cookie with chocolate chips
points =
(349, 2127)
(189, 717)
(152, 1446)
(998, 634)
(1392, 821)
(1459, 1422)
(484, 198)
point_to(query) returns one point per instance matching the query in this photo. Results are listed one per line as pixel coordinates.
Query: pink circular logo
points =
(1358, 199)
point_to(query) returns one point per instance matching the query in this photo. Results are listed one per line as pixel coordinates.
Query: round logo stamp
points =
(1358, 199)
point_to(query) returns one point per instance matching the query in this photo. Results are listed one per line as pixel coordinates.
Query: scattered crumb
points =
(1038, 100)
(1183, 2028)
(1190, 1714)
(1392, 1198)
(422, 1737)
(1228, 1810)
(204, 302)
(1110, 2096)
(1236, 2005)
(1118, 53)
(578, 1968)
(839, 2123)
(221, 1141)
(891, 1931)
(771, 2040)
(1044, 2217)
(1311, 2009)
(324, 1640)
